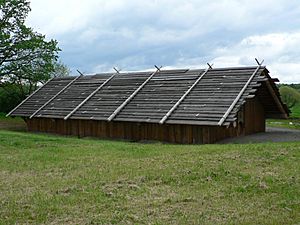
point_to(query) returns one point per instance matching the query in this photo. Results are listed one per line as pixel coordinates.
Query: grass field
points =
(293, 122)
(9, 123)
(289, 123)
(58, 180)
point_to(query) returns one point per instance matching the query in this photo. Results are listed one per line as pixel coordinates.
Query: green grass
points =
(284, 123)
(293, 122)
(9, 123)
(57, 180)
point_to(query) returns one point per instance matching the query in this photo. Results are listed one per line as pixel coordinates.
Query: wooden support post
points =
(277, 101)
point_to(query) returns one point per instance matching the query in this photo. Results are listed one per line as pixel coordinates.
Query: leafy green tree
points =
(295, 86)
(290, 96)
(26, 58)
(60, 70)
(9, 97)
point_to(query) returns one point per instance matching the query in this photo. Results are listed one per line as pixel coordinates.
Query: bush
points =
(9, 98)
(290, 96)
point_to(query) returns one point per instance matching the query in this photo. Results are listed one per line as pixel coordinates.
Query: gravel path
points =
(272, 134)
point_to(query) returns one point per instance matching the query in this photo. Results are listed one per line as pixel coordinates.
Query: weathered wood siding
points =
(131, 131)
(254, 117)
(253, 121)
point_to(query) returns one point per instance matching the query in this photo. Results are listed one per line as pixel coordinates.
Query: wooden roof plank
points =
(68, 85)
(113, 115)
(208, 100)
(36, 91)
(220, 123)
(91, 95)
(182, 97)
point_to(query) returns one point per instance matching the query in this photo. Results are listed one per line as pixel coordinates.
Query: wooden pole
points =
(113, 115)
(28, 97)
(91, 95)
(224, 117)
(162, 121)
(58, 93)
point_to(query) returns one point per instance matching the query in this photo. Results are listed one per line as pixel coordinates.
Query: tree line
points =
(27, 59)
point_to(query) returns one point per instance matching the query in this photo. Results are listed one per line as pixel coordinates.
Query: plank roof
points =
(185, 96)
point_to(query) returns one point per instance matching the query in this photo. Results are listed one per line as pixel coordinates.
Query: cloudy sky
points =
(96, 35)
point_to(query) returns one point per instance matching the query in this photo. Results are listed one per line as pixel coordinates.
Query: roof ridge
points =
(183, 70)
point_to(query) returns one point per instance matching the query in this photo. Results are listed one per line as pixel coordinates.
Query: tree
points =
(289, 95)
(26, 58)
(60, 70)
(9, 97)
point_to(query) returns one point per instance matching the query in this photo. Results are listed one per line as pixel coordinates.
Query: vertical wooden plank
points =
(199, 135)
(98, 128)
(190, 134)
(80, 129)
(103, 128)
(177, 135)
(205, 135)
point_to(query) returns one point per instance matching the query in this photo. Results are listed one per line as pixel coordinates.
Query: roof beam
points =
(91, 95)
(224, 117)
(162, 121)
(113, 115)
(277, 100)
(58, 93)
(117, 70)
(28, 97)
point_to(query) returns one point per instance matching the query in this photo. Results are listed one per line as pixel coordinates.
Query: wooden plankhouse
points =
(180, 106)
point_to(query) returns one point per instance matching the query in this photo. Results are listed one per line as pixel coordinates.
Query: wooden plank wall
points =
(254, 117)
(254, 121)
(186, 134)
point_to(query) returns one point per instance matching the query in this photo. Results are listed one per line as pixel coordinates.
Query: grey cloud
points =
(96, 35)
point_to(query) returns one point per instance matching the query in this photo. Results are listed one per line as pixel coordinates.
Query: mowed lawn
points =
(48, 179)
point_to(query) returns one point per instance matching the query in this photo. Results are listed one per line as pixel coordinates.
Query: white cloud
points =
(136, 34)
(287, 72)
(62, 16)
(279, 50)
(102, 68)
